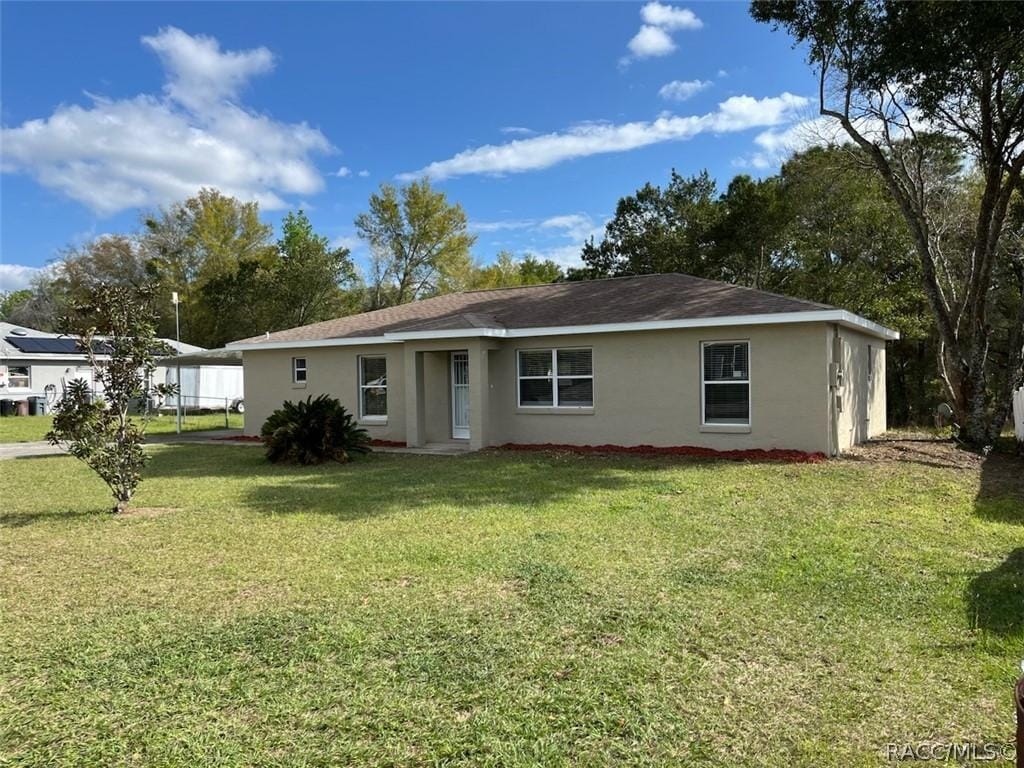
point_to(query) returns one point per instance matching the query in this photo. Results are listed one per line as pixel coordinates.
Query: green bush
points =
(313, 431)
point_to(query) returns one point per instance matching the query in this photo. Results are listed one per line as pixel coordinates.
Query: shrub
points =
(118, 322)
(313, 431)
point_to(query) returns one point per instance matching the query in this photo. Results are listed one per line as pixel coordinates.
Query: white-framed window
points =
(373, 387)
(19, 377)
(725, 382)
(556, 378)
(298, 370)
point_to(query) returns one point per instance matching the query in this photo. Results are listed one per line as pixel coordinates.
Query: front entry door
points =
(460, 395)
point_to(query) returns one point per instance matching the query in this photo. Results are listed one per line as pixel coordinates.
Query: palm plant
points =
(313, 431)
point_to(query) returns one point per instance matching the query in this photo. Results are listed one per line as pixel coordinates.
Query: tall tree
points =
(899, 78)
(749, 236)
(307, 280)
(509, 272)
(657, 230)
(205, 238)
(10, 301)
(418, 241)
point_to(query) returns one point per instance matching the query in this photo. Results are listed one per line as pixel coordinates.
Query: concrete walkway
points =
(41, 448)
(220, 437)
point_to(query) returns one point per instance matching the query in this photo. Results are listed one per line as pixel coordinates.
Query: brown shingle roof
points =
(613, 300)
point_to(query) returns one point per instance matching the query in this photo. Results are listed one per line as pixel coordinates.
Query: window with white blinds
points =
(725, 382)
(556, 378)
(373, 388)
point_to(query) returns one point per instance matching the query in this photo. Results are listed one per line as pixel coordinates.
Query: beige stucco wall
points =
(329, 370)
(863, 412)
(646, 388)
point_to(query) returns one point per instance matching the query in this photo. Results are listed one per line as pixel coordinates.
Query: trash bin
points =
(37, 406)
(6, 407)
(21, 407)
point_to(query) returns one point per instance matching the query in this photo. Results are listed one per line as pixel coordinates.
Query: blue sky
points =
(536, 117)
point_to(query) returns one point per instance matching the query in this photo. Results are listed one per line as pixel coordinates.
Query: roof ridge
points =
(564, 282)
(755, 290)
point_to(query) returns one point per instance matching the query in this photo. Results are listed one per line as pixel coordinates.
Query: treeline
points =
(235, 280)
(824, 229)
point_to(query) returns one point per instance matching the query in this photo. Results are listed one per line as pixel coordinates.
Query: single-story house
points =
(39, 364)
(664, 360)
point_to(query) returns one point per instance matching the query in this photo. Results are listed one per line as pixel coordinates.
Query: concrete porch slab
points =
(430, 449)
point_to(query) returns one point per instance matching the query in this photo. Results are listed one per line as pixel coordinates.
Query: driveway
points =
(42, 448)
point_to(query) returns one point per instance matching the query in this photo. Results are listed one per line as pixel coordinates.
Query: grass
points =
(505, 609)
(25, 429)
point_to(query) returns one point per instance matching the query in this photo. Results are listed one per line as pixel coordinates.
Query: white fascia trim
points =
(840, 316)
(455, 333)
(308, 344)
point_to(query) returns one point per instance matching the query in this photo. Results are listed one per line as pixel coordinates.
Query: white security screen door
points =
(460, 395)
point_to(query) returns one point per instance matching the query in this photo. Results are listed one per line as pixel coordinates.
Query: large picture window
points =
(725, 381)
(556, 378)
(373, 388)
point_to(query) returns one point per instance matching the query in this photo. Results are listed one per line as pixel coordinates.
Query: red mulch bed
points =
(388, 443)
(757, 454)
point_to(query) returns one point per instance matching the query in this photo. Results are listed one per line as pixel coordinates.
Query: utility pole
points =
(177, 334)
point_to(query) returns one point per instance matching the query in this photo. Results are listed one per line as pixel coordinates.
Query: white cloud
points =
(651, 41)
(351, 242)
(517, 129)
(146, 150)
(498, 226)
(577, 226)
(654, 39)
(363, 174)
(14, 277)
(199, 74)
(342, 172)
(775, 145)
(734, 114)
(681, 90)
(669, 17)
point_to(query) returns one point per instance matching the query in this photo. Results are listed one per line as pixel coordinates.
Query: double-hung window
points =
(298, 370)
(19, 377)
(725, 382)
(556, 378)
(373, 388)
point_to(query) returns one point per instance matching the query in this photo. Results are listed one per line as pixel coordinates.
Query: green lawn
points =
(24, 429)
(506, 609)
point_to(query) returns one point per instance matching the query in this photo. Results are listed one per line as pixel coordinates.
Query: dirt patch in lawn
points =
(921, 450)
(1001, 471)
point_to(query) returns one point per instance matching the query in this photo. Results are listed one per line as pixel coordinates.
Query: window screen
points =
(726, 382)
(373, 387)
(556, 377)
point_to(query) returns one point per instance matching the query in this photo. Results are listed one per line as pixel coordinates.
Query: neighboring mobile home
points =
(40, 364)
(665, 360)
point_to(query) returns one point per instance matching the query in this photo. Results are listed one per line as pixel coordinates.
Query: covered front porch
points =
(447, 392)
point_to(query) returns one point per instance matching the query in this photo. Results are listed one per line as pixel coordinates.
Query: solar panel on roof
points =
(52, 346)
